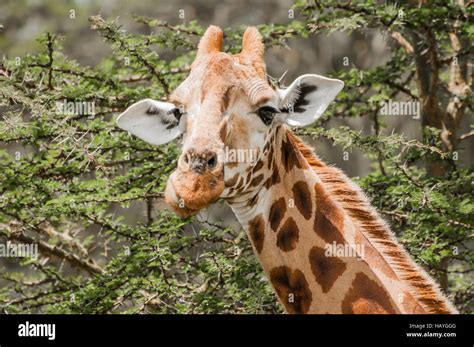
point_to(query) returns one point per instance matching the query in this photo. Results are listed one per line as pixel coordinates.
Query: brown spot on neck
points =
(303, 199)
(231, 164)
(257, 166)
(273, 179)
(249, 175)
(290, 155)
(326, 270)
(270, 158)
(329, 219)
(256, 181)
(232, 181)
(366, 296)
(251, 202)
(257, 232)
(241, 183)
(292, 289)
(288, 235)
(277, 212)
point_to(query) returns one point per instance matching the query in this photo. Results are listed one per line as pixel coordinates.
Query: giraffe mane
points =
(354, 202)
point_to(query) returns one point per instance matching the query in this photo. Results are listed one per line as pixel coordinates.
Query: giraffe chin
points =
(188, 193)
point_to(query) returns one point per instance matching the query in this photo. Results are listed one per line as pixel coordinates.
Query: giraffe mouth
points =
(188, 193)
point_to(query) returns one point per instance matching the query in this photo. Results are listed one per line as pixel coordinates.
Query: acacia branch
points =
(50, 62)
(402, 42)
(111, 34)
(88, 264)
(466, 136)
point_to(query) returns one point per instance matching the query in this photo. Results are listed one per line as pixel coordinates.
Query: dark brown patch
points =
(256, 181)
(232, 181)
(226, 99)
(241, 183)
(277, 212)
(247, 179)
(303, 199)
(292, 289)
(257, 232)
(326, 270)
(252, 201)
(241, 190)
(290, 156)
(266, 147)
(231, 164)
(257, 166)
(273, 179)
(329, 220)
(270, 158)
(223, 132)
(288, 235)
(366, 296)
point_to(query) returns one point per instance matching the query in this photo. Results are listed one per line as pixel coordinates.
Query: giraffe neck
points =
(322, 246)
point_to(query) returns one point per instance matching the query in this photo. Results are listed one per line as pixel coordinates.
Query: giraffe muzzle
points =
(189, 192)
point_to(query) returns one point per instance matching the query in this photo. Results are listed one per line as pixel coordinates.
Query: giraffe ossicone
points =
(292, 205)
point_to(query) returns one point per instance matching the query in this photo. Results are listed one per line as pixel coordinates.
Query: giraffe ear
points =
(211, 41)
(153, 121)
(305, 100)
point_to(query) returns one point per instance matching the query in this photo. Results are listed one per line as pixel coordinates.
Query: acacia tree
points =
(64, 174)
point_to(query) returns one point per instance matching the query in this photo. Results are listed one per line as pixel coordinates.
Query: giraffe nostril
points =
(212, 162)
(200, 161)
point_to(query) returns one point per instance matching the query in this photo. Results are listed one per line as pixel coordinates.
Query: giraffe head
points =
(225, 104)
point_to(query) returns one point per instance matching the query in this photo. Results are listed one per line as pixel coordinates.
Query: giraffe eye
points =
(177, 113)
(172, 118)
(266, 114)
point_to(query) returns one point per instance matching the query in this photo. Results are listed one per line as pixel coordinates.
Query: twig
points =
(466, 136)
(402, 42)
(50, 62)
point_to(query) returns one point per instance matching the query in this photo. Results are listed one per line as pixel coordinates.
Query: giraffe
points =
(324, 249)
